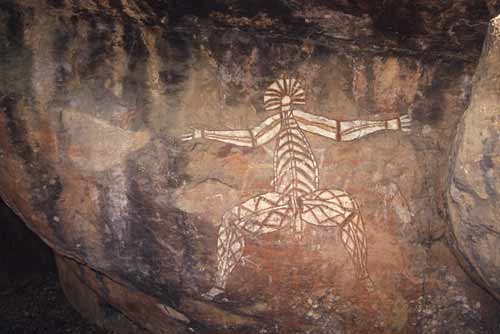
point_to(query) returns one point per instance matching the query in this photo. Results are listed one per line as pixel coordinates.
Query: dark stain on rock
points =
(56, 3)
(246, 62)
(46, 187)
(8, 105)
(370, 94)
(394, 16)
(181, 8)
(159, 166)
(62, 38)
(97, 41)
(141, 257)
(179, 57)
(45, 184)
(11, 19)
(133, 44)
(234, 94)
(45, 199)
(487, 164)
(135, 84)
(273, 8)
(428, 109)
(147, 270)
(224, 151)
(145, 8)
(468, 36)
(172, 80)
(196, 257)
(470, 33)
(116, 4)
(15, 57)
(112, 208)
(12, 43)
(176, 165)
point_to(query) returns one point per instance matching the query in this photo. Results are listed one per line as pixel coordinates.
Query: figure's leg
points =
(337, 208)
(259, 215)
(353, 235)
(230, 245)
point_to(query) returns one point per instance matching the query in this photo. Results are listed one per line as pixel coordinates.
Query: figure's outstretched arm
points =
(352, 130)
(348, 130)
(259, 135)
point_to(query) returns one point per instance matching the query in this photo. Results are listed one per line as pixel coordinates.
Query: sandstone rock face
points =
(102, 153)
(475, 174)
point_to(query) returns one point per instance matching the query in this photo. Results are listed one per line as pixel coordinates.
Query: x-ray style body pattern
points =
(297, 199)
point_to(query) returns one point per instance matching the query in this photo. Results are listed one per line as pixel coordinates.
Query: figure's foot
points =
(212, 293)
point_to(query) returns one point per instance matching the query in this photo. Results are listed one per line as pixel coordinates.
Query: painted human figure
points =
(297, 199)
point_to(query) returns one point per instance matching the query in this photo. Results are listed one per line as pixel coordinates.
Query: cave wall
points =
(95, 99)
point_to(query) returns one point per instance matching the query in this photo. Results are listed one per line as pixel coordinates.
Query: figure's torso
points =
(295, 168)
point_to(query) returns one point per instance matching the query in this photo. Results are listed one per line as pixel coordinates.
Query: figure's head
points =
(283, 94)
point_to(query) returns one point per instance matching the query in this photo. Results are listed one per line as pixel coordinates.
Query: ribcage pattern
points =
(295, 167)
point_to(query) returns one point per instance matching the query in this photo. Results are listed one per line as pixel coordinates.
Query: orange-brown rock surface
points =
(475, 173)
(95, 98)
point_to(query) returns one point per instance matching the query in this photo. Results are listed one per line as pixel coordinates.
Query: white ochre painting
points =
(297, 199)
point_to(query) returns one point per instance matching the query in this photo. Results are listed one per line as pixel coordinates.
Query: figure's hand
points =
(405, 122)
(195, 134)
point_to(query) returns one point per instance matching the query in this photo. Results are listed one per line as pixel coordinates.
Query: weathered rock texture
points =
(95, 96)
(474, 194)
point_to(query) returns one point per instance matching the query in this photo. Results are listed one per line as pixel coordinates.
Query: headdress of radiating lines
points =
(273, 97)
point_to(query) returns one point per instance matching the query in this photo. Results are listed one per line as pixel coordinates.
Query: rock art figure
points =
(297, 199)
